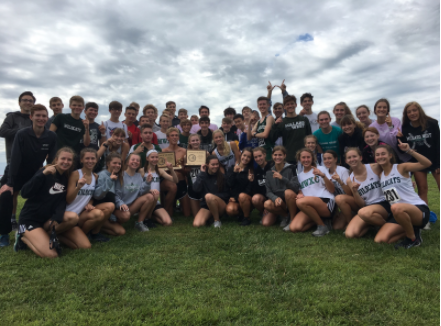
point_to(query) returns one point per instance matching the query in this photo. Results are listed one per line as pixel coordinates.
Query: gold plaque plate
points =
(196, 157)
(166, 157)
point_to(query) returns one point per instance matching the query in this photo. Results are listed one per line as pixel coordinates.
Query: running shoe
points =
(141, 227)
(217, 224)
(321, 231)
(19, 244)
(407, 243)
(14, 224)
(284, 222)
(286, 228)
(245, 222)
(150, 223)
(98, 237)
(4, 240)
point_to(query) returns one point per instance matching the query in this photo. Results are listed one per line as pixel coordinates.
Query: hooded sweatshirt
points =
(345, 141)
(104, 185)
(13, 122)
(207, 184)
(258, 186)
(238, 182)
(275, 188)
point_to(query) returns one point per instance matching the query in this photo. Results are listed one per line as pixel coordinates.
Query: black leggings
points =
(5, 212)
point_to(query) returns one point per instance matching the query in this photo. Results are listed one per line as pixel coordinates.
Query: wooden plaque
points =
(196, 157)
(166, 157)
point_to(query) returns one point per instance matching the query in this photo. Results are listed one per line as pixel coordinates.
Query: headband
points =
(150, 152)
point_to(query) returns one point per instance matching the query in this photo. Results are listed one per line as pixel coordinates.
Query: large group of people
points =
(300, 169)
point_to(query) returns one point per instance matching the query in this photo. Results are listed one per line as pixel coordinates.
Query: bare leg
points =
(373, 215)
(113, 228)
(201, 217)
(90, 220)
(276, 210)
(70, 219)
(269, 219)
(390, 232)
(347, 205)
(315, 208)
(162, 217)
(185, 204)
(245, 204)
(258, 202)
(436, 177)
(407, 216)
(215, 205)
(107, 209)
(290, 198)
(423, 187)
(195, 206)
(75, 239)
(169, 198)
(301, 223)
(38, 241)
(232, 209)
(356, 228)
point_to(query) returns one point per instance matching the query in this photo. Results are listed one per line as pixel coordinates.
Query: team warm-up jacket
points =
(426, 143)
(29, 153)
(238, 182)
(46, 197)
(276, 188)
(259, 182)
(13, 122)
(207, 184)
(293, 131)
(345, 141)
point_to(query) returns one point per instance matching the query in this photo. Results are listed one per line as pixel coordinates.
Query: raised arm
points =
(423, 162)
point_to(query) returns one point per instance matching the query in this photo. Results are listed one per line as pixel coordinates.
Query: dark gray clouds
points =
(220, 53)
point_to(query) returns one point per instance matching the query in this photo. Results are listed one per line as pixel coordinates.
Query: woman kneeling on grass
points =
(410, 212)
(105, 191)
(368, 198)
(45, 209)
(211, 183)
(281, 186)
(154, 173)
(81, 188)
(316, 198)
(240, 178)
(131, 197)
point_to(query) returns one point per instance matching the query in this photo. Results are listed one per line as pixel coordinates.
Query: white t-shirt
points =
(162, 139)
(313, 185)
(111, 126)
(335, 124)
(313, 121)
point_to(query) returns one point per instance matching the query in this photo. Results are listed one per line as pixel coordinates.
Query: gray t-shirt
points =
(132, 188)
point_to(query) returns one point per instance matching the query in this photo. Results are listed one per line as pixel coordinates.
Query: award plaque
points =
(196, 157)
(166, 157)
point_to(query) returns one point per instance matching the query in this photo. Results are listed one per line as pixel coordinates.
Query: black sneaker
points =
(54, 243)
(19, 244)
(150, 223)
(99, 237)
(14, 225)
(245, 222)
(418, 235)
(240, 218)
(407, 243)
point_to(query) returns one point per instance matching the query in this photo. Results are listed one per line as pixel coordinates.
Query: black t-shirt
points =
(95, 136)
(69, 131)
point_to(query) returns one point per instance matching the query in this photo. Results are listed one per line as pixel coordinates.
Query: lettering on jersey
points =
(131, 187)
(155, 179)
(390, 181)
(224, 160)
(419, 140)
(162, 141)
(45, 147)
(310, 181)
(295, 125)
(369, 187)
(86, 192)
(73, 128)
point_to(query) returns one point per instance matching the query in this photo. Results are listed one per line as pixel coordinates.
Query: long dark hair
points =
(219, 174)
(109, 159)
(250, 165)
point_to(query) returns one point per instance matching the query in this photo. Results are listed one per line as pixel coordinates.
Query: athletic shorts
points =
(193, 194)
(29, 225)
(158, 206)
(431, 168)
(182, 189)
(426, 216)
(108, 198)
(330, 203)
(385, 204)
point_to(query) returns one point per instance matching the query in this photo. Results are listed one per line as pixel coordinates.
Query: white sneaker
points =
(217, 224)
(284, 222)
(141, 227)
(427, 226)
(286, 228)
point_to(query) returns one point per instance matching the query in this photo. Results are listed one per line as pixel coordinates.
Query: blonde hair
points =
(170, 130)
(189, 146)
(225, 146)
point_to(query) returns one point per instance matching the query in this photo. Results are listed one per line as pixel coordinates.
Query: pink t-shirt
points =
(196, 128)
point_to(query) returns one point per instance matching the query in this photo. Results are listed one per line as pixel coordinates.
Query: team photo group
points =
(352, 169)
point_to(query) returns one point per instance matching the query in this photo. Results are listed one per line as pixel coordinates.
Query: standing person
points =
(262, 128)
(165, 122)
(238, 120)
(114, 144)
(410, 212)
(229, 113)
(371, 137)
(194, 143)
(70, 129)
(194, 120)
(246, 112)
(132, 128)
(16, 121)
(182, 115)
(327, 136)
(243, 140)
(91, 112)
(278, 111)
(44, 210)
(352, 136)
(143, 147)
(363, 113)
(229, 133)
(105, 191)
(185, 133)
(152, 113)
(367, 197)
(137, 107)
(157, 211)
(142, 121)
(259, 186)
(227, 152)
(281, 187)
(422, 134)
(133, 196)
(204, 111)
(239, 180)
(315, 200)
(293, 128)
(107, 127)
(32, 146)
(211, 183)
(340, 110)
(205, 133)
(306, 101)
(174, 120)
(79, 198)
(388, 127)
(56, 105)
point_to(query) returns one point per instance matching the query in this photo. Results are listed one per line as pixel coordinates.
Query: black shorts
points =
(29, 225)
(108, 198)
(330, 203)
(431, 168)
(182, 189)
(193, 194)
(385, 204)
(158, 206)
(426, 216)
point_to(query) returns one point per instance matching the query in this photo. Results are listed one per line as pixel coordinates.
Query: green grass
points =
(242, 276)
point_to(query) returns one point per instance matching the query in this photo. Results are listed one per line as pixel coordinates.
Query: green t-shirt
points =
(143, 158)
(265, 143)
(329, 141)
(183, 140)
(69, 131)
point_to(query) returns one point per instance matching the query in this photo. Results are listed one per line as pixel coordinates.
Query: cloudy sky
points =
(220, 53)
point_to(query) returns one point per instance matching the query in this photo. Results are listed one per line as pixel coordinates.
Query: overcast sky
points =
(220, 53)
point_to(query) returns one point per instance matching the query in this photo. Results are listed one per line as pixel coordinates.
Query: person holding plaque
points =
(211, 183)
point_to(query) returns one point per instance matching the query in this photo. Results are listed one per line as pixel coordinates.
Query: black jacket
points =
(345, 141)
(238, 182)
(230, 136)
(13, 122)
(29, 153)
(258, 186)
(207, 184)
(206, 141)
(46, 197)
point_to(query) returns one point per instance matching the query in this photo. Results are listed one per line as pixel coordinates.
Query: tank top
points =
(192, 176)
(83, 196)
(156, 183)
(226, 161)
(370, 189)
(265, 143)
(313, 185)
(399, 189)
